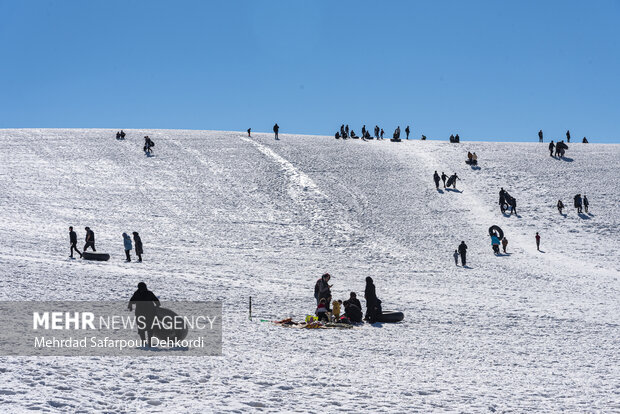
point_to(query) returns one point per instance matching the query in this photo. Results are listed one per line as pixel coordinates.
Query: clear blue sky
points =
(489, 70)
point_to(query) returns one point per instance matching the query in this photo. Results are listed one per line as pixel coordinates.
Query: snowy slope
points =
(223, 216)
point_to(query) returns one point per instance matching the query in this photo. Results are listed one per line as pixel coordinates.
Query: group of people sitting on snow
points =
(455, 139)
(345, 133)
(472, 159)
(120, 134)
(352, 307)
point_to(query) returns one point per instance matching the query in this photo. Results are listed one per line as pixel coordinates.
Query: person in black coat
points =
(145, 302)
(540, 136)
(463, 252)
(73, 242)
(436, 178)
(407, 130)
(353, 308)
(276, 128)
(444, 177)
(138, 245)
(90, 239)
(322, 289)
(551, 147)
(568, 136)
(373, 304)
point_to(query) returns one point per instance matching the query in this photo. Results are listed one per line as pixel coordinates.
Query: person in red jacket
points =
(537, 241)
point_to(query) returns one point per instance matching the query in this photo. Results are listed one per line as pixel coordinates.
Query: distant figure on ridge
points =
(276, 128)
(407, 131)
(540, 136)
(568, 136)
(249, 132)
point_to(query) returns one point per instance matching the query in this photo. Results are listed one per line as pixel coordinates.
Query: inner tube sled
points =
(165, 330)
(100, 257)
(391, 316)
(497, 231)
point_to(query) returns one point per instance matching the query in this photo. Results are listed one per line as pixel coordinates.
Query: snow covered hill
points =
(223, 216)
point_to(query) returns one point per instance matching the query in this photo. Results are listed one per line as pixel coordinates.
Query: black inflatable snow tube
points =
(100, 257)
(391, 316)
(497, 231)
(169, 328)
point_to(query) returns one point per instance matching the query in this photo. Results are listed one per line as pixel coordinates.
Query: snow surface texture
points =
(224, 217)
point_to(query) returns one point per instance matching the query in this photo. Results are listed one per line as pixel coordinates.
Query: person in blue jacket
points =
(128, 247)
(495, 242)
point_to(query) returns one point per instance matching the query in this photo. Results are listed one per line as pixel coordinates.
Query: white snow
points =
(224, 217)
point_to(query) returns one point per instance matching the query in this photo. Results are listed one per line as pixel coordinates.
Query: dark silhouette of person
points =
(137, 241)
(586, 203)
(322, 289)
(452, 138)
(568, 136)
(423, 137)
(407, 130)
(560, 206)
(436, 179)
(346, 129)
(540, 136)
(342, 131)
(73, 242)
(276, 128)
(118, 135)
(337, 135)
(353, 308)
(444, 177)
(463, 252)
(537, 241)
(377, 131)
(454, 178)
(364, 131)
(148, 145)
(502, 200)
(373, 304)
(249, 132)
(382, 133)
(90, 239)
(551, 147)
(146, 303)
(585, 140)
(457, 139)
(577, 203)
(122, 134)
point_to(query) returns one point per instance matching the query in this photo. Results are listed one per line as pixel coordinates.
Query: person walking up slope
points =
(73, 243)
(90, 239)
(463, 252)
(127, 245)
(456, 257)
(586, 203)
(504, 244)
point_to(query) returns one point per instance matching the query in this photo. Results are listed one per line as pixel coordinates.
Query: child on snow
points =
(321, 310)
(127, 245)
(336, 309)
(456, 257)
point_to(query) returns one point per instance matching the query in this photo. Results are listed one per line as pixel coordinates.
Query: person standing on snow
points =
(540, 136)
(537, 241)
(407, 131)
(145, 302)
(551, 147)
(463, 252)
(444, 177)
(495, 243)
(586, 203)
(127, 245)
(456, 257)
(276, 128)
(137, 241)
(322, 289)
(377, 131)
(568, 136)
(90, 239)
(436, 178)
(373, 304)
(504, 244)
(382, 132)
(73, 242)
(249, 132)
(577, 203)
(560, 206)
(454, 178)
